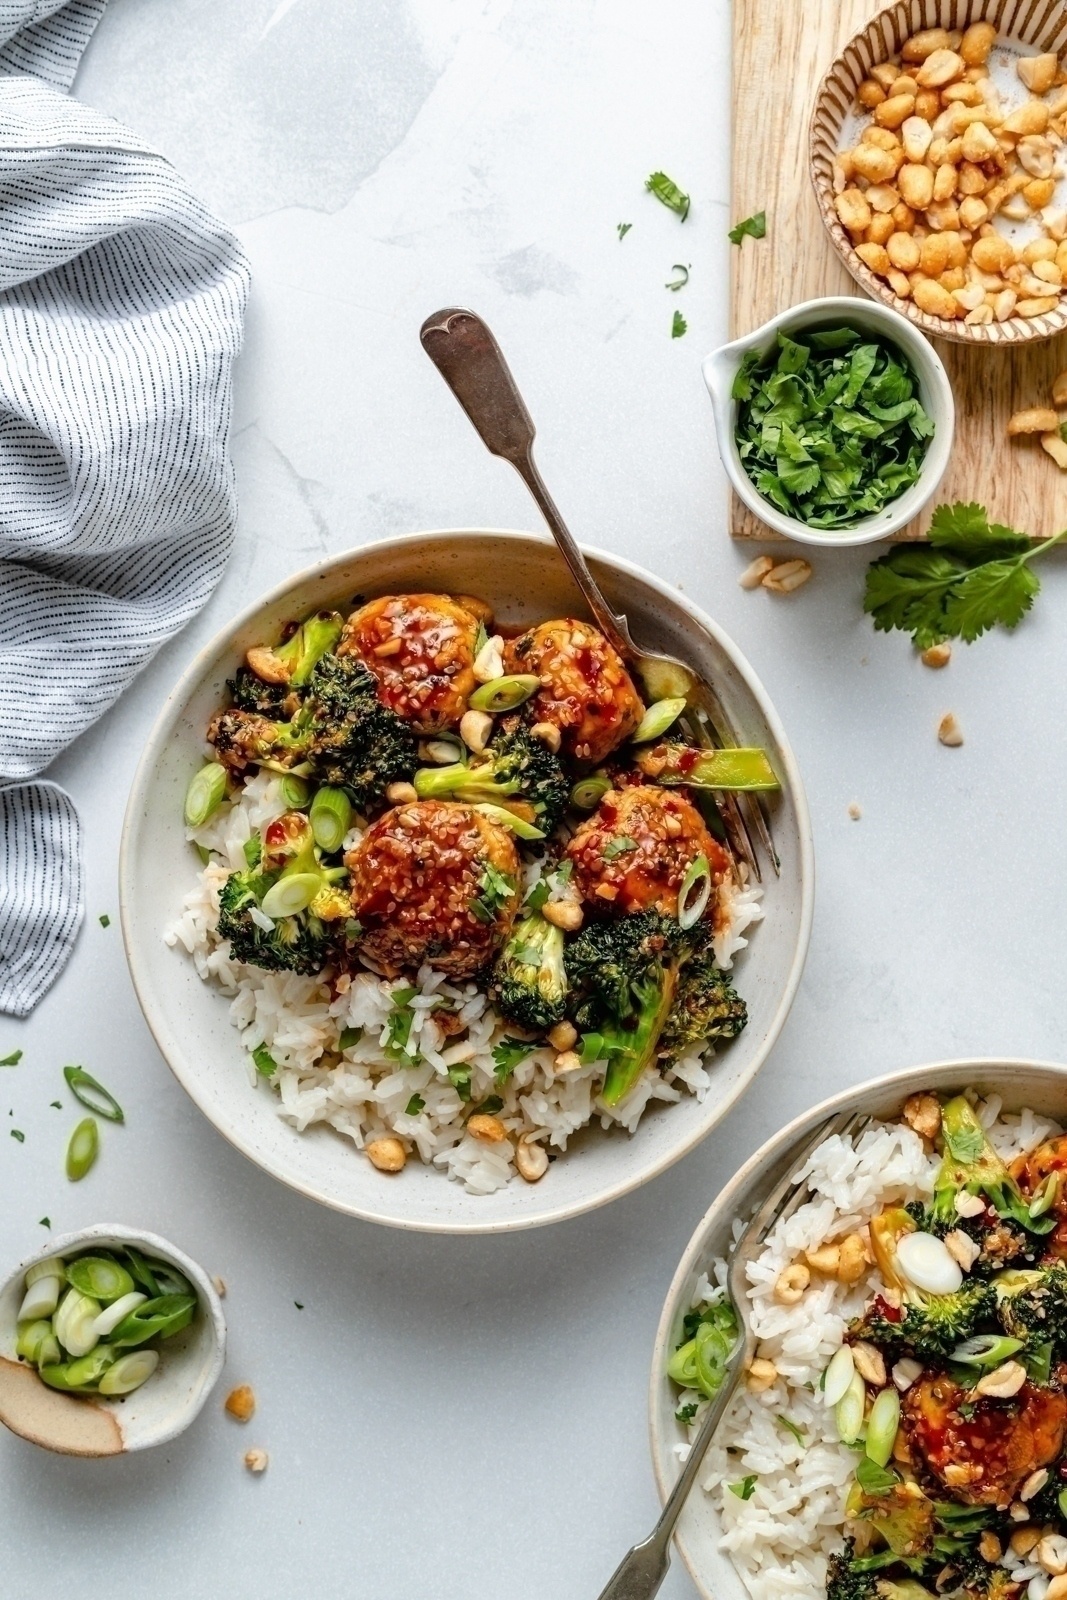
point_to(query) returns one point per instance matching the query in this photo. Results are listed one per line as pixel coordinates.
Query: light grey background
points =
(463, 1420)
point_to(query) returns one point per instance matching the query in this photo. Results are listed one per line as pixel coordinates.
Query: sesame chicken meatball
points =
(434, 882)
(420, 648)
(634, 851)
(1032, 1171)
(985, 1452)
(586, 691)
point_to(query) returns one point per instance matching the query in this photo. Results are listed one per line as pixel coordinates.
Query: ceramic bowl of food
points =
(929, 381)
(330, 1114)
(779, 1445)
(935, 152)
(183, 1358)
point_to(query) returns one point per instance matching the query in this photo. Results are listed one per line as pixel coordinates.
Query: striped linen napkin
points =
(121, 307)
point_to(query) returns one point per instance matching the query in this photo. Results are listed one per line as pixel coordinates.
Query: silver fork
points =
(472, 364)
(642, 1570)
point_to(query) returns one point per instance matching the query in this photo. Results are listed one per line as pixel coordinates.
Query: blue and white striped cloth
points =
(121, 306)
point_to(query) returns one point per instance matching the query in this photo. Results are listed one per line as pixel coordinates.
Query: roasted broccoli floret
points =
(706, 1006)
(245, 738)
(529, 981)
(970, 1165)
(299, 904)
(278, 701)
(1032, 1305)
(846, 1581)
(926, 1325)
(357, 743)
(982, 1580)
(289, 666)
(903, 1517)
(625, 977)
(517, 770)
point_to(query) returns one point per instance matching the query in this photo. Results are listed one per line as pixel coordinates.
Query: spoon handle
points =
(471, 362)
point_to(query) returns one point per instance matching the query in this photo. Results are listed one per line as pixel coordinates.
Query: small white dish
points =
(72, 1425)
(1040, 1085)
(935, 392)
(526, 581)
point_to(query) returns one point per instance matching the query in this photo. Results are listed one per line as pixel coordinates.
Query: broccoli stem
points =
(311, 641)
(734, 770)
(629, 1050)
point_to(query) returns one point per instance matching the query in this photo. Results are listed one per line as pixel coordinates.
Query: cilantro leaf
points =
(622, 844)
(104, 920)
(791, 1427)
(17, 1133)
(624, 228)
(997, 591)
(460, 1079)
(265, 1062)
(668, 193)
(687, 1412)
(45, 1222)
(349, 1037)
(398, 1024)
(414, 1106)
(507, 1055)
(965, 529)
(874, 1479)
(12, 1060)
(746, 1488)
(754, 227)
(678, 325)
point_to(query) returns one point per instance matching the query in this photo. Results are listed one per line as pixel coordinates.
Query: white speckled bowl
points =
(189, 1367)
(525, 579)
(1040, 1085)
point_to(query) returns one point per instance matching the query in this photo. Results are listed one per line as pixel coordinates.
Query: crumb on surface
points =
(854, 811)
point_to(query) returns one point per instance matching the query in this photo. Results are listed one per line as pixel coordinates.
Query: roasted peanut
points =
(939, 68)
(922, 45)
(977, 43)
(923, 1111)
(854, 211)
(903, 251)
(876, 257)
(1038, 72)
(791, 1284)
(892, 112)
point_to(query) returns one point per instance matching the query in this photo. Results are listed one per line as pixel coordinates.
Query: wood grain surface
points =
(781, 50)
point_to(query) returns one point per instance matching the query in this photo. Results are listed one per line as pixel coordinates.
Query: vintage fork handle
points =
(642, 1570)
(471, 362)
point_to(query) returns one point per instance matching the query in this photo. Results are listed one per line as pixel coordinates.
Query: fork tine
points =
(787, 1194)
(720, 732)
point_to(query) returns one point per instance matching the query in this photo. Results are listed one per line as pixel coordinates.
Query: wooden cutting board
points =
(781, 50)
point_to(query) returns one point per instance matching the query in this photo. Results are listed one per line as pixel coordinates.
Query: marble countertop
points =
(463, 1418)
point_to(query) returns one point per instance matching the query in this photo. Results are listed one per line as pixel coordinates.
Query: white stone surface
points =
(467, 1419)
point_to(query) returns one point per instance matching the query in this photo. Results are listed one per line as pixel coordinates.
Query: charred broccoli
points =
(280, 914)
(707, 1006)
(970, 1165)
(516, 771)
(1032, 1305)
(926, 1325)
(847, 1581)
(529, 982)
(357, 743)
(289, 666)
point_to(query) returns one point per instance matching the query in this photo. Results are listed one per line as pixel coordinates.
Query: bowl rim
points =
(153, 1244)
(769, 1154)
(141, 787)
(915, 345)
(998, 335)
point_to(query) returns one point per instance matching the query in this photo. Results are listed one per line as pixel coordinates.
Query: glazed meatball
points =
(1032, 1172)
(586, 691)
(984, 1454)
(436, 882)
(420, 648)
(634, 851)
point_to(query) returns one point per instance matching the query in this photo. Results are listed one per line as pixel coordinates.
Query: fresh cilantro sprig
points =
(679, 326)
(746, 1488)
(397, 1032)
(507, 1055)
(12, 1060)
(971, 576)
(754, 227)
(497, 889)
(668, 193)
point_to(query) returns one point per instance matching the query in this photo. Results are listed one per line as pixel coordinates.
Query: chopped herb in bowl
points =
(830, 428)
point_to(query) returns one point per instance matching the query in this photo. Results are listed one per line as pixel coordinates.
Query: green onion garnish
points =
(588, 793)
(504, 694)
(695, 892)
(92, 1095)
(882, 1425)
(330, 817)
(204, 794)
(99, 1277)
(83, 1149)
(657, 719)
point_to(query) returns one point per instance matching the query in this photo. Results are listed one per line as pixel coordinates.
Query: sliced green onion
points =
(74, 1323)
(54, 1267)
(108, 1320)
(711, 1355)
(985, 1350)
(330, 817)
(588, 793)
(170, 1280)
(882, 1425)
(291, 894)
(657, 719)
(296, 791)
(129, 1372)
(252, 850)
(83, 1149)
(734, 770)
(691, 904)
(100, 1278)
(142, 1271)
(1046, 1198)
(49, 1354)
(1038, 1362)
(682, 1366)
(30, 1336)
(166, 1316)
(838, 1375)
(92, 1095)
(848, 1413)
(204, 794)
(86, 1372)
(42, 1295)
(507, 819)
(504, 694)
(665, 679)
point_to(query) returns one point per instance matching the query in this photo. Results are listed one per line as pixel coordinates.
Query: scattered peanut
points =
(267, 666)
(1051, 1553)
(475, 728)
(1038, 72)
(854, 1258)
(870, 1363)
(1037, 1480)
(854, 811)
(562, 1036)
(969, 1205)
(761, 1375)
(565, 914)
(388, 1155)
(923, 1113)
(489, 662)
(241, 1403)
(1023, 1540)
(548, 734)
(531, 1160)
(906, 1372)
(1057, 1589)
(791, 1284)
(787, 576)
(949, 731)
(256, 1460)
(755, 572)
(1038, 419)
(989, 1547)
(566, 1061)
(401, 794)
(937, 655)
(1001, 1384)
(219, 1285)
(826, 1260)
(490, 1130)
(962, 1248)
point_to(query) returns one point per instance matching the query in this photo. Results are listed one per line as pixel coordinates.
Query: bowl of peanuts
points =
(939, 159)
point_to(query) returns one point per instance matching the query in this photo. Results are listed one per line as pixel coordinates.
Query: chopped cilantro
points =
(966, 1410)
(299, 1305)
(398, 1028)
(265, 1062)
(58, 1104)
(668, 193)
(624, 228)
(12, 1060)
(687, 1412)
(872, 1478)
(536, 897)
(105, 920)
(253, 850)
(678, 325)
(460, 1079)
(17, 1133)
(507, 1055)
(497, 889)
(754, 227)
(618, 847)
(746, 1488)
(349, 1037)
(791, 1427)
(490, 1107)
(678, 283)
(414, 1106)
(45, 1222)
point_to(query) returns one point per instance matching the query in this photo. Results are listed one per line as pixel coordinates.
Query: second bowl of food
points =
(902, 1428)
(834, 420)
(465, 921)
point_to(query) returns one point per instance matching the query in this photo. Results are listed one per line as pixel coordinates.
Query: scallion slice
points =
(204, 794)
(291, 894)
(74, 1324)
(504, 694)
(507, 819)
(695, 892)
(657, 719)
(838, 1375)
(296, 791)
(882, 1425)
(848, 1413)
(93, 1095)
(985, 1350)
(83, 1149)
(330, 817)
(588, 793)
(109, 1320)
(99, 1277)
(129, 1372)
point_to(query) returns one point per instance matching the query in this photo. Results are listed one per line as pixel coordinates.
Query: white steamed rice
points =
(780, 1538)
(364, 1093)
